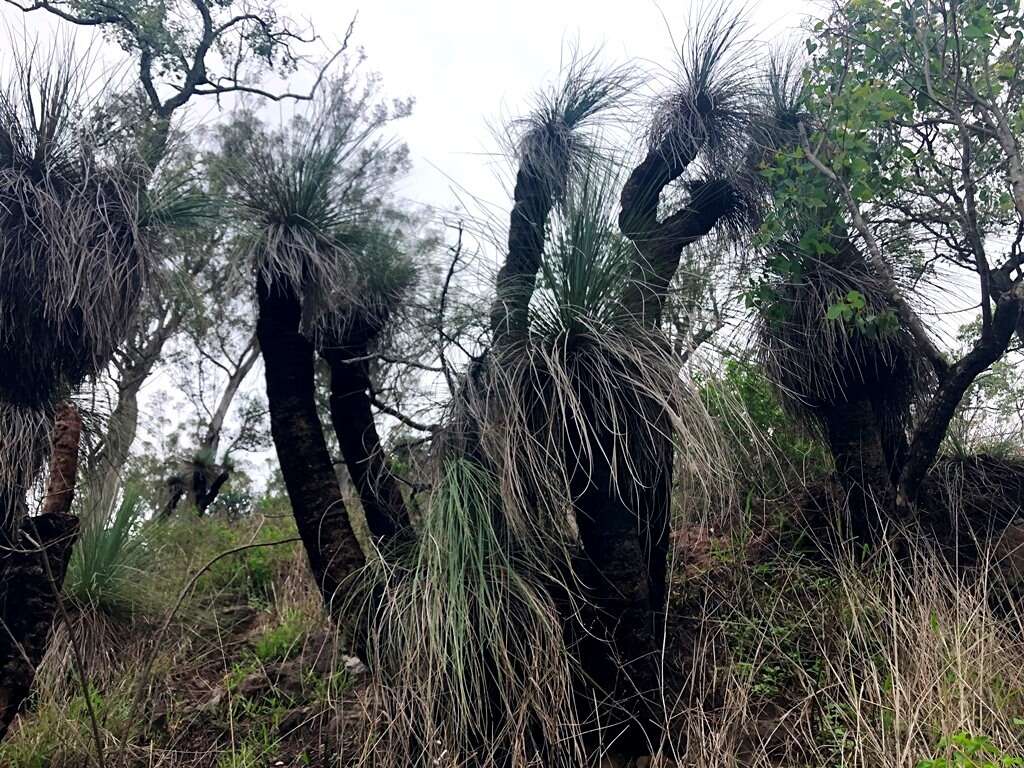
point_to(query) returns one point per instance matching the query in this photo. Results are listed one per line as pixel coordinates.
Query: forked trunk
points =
(309, 477)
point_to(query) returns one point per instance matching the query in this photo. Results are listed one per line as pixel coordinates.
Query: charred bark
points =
(32, 571)
(623, 524)
(29, 602)
(517, 277)
(352, 416)
(623, 567)
(313, 490)
(857, 444)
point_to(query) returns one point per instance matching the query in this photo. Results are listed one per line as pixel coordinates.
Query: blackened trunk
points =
(28, 602)
(858, 445)
(624, 570)
(516, 281)
(313, 488)
(386, 513)
(32, 570)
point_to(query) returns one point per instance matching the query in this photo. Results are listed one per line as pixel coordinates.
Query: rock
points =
(354, 665)
(254, 684)
(213, 703)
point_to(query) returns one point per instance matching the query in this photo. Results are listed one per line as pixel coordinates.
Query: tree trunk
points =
(383, 504)
(29, 602)
(202, 478)
(309, 477)
(858, 449)
(940, 409)
(67, 436)
(623, 568)
(32, 571)
(112, 456)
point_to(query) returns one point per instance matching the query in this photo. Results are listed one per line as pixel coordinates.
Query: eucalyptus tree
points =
(185, 49)
(898, 177)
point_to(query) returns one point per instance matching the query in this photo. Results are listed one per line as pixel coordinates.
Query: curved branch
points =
(517, 278)
(660, 248)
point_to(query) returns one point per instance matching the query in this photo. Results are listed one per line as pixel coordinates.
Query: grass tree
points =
(308, 196)
(73, 266)
(899, 176)
(181, 50)
(546, 531)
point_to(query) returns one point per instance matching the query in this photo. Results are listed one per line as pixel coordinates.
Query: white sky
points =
(471, 63)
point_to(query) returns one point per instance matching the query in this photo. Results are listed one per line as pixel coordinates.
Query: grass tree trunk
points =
(623, 567)
(352, 416)
(309, 476)
(858, 447)
(32, 571)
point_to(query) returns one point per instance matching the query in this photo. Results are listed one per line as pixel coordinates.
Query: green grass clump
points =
(283, 640)
(962, 750)
(109, 560)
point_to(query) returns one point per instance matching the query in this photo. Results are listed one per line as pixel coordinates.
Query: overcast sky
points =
(472, 65)
(469, 64)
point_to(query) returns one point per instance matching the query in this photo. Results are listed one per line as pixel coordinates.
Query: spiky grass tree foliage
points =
(71, 266)
(554, 145)
(852, 379)
(568, 431)
(698, 131)
(466, 639)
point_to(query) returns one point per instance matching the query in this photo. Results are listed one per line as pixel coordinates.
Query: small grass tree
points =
(72, 268)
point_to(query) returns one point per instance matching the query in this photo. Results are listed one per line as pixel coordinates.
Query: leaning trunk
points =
(309, 477)
(387, 516)
(117, 443)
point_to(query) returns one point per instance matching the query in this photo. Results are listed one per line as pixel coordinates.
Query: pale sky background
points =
(472, 65)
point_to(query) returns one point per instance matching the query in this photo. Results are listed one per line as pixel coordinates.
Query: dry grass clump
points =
(837, 664)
